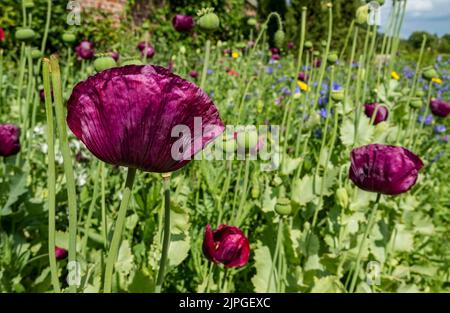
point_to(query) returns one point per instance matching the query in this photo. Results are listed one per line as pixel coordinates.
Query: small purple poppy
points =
(183, 23)
(227, 245)
(381, 115)
(274, 50)
(193, 74)
(290, 45)
(61, 253)
(384, 169)
(303, 77)
(439, 107)
(148, 52)
(142, 45)
(275, 57)
(115, 55)
(317, 63)
(126, 116)
(85, 50)
(9, 140)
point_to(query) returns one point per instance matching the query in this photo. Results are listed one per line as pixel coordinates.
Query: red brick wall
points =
(115, 7)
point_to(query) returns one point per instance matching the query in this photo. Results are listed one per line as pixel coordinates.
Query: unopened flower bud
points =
(342, 197)
(283, 206)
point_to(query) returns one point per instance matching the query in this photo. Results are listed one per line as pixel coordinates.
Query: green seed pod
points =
(209, 21)
(337, 95)
(420, 93)
(362, 14)
(36, 53)
(308, 44)
(251, 21)
(23, 34)
(104, 63)
(28, 4)
(415, 103)
(323, 43)
(247, 139)
(132, 62)
(429, 73)
(332, 57)
(283, 206)
(316, 53)
(255, 187)
(279, 38)
(342, 197)
(69, 37)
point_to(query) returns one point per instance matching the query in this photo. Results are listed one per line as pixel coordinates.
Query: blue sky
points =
(429, 15)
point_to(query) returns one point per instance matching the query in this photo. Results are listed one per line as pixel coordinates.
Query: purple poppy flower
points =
(193, 74)
(227, 245)
(274, 50)
(183, 23)
(9, 140)
(389, 170)
(115, 55)
(61, 253)
(275, 57)
(382, 112)
(439, 107)
(290, 45)
(142, 45)
(302, 76)
(126, 116)
(148, 52)
(317, 62)
(85, 50)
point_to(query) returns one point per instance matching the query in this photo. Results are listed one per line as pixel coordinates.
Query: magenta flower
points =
(389, 170)
(142, 45)
(85, 50)
(381, 115)
(115, 55)
(274, 50)
(60, 253)
(275, 57)
(302, 77)
(126, 115)
(193, 74)
(439, 107)
(183, 23)
(2, 34)
(148, 52)
(227, 245)
(290, 45)
(317, 62)
(9, 140)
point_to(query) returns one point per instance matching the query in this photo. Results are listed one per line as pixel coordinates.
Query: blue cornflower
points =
(269, 70)
(439, 128)
(285, 90)
(209, 71)
(323, 112)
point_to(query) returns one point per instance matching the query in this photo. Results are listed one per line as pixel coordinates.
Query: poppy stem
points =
(51, 177)
(117, 236)
(370, 223)
(166, 235)
(205, 63)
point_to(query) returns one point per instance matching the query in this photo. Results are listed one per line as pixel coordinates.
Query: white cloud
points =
(419, 6)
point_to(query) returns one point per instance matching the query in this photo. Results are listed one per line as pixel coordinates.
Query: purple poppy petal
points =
(439, 107)
(183, 23)
(9, 139)
(381, 115)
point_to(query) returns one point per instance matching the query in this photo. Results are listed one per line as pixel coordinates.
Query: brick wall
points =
(115, 7)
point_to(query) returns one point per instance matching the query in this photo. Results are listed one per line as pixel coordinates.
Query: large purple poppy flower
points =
(183, 23)
(227, 245)
(389, 170)
(381, 115)
(126, 115)
(85, 50)
(9, 139)
(439, 107)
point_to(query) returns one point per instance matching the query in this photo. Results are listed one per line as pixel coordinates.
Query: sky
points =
(432, 16)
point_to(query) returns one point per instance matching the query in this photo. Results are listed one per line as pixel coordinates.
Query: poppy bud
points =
(183, 23)
(323, 43)
(290, 45)
(342, 197)
(251, 21)
(227, 245)
(337, 95)
(36, 53)
(148, 52)
(279, 38)
(247, 138)
(316, 53)
(429, 73)
(103, 63)
(115, 55)
(332, 57)
(440, 107)
(384, 169)
(209, 21)
(28, 4)
(317, 63)
(308, 44)
(24, 34)
(362, 14)
(69, 37)
(381, 115)
(61, 253)
(142, 45)
(85, 50)
(302, 76)
(9, 139)
(131, 62)
(283, 206)
(416, 103)
(193, 74)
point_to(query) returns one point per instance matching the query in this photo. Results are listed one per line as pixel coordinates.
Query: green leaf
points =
(404, 240)
(365, 132)
(125, 260)
(179, 248)
(302, 190)
(327, 284)
(262, 280)
(141, 283)
(18, 186)
(289, 165)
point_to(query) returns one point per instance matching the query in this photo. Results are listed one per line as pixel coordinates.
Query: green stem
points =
(67, 158)
(166, 238)
(103, 200)
(87, 222)
(238, 218)
(205, 63)
(51, 177)
(117, 236)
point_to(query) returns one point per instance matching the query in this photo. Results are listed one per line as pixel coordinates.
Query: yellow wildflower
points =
(437, 80)
(395, 75)
(235, 55)
(303, 86)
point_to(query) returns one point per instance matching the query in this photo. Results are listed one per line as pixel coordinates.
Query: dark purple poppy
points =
(142, 45)
(115, 55)
(126, 116)
(381, 115)
(227, 245)
(85, 50)
(275, 57)
(60, 253)
(2, 34)
(439, 107)
(389, 170)
(274, 50)
(9, 139)
(317, 62)
(290, 45)
(183, 23)
(148, 52)
(193, 74)
(302, 77)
